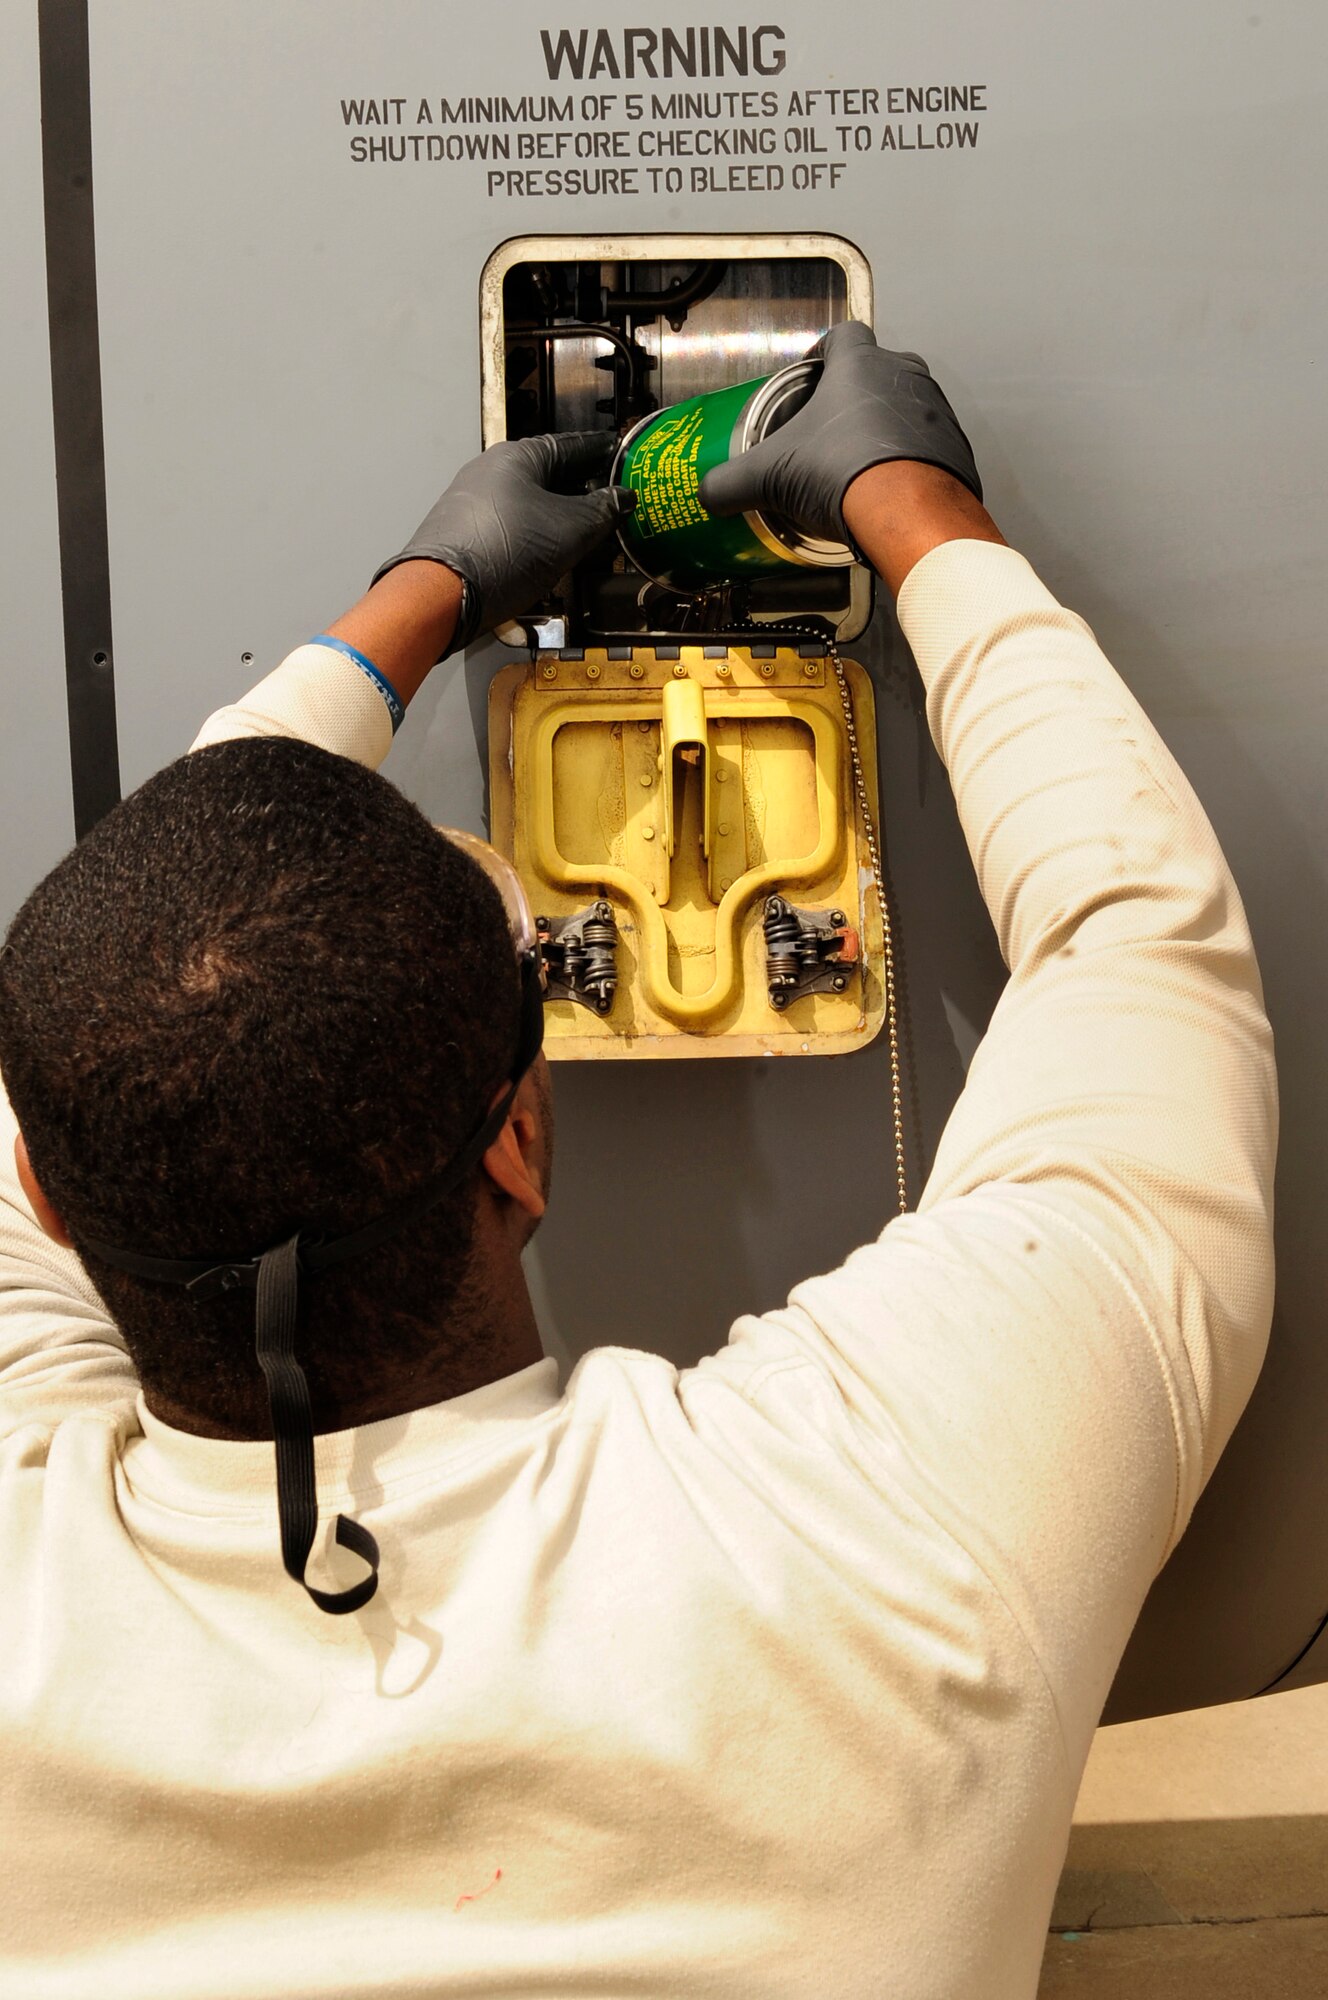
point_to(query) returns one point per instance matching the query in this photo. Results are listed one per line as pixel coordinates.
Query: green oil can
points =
(670, 538)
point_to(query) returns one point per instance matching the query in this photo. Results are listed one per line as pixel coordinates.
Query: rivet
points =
(725, 884)
(767, 670)
(723, 670)
(724, 827)
(646, 780)
(644, 728)
(592, 672)
(638, 673)
(680, 672)
(721, 776)
(810, 669)
(550, 673)
(647, 833)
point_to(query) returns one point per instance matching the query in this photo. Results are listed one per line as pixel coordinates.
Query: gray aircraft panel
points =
(1117, 282)
(34, 734)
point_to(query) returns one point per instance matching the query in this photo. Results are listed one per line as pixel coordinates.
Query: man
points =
(773, 1678)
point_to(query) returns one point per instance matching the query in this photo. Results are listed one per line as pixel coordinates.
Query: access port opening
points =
(595, 334)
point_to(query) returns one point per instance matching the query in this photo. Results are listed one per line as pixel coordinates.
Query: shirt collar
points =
(186, 1471)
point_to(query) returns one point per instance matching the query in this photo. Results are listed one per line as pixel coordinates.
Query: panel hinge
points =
(580, 956)
(806, 951)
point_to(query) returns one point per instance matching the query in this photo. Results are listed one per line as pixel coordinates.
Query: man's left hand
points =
(514, 520)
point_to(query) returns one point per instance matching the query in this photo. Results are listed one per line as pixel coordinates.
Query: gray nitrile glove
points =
(514, 520)
(870, 405)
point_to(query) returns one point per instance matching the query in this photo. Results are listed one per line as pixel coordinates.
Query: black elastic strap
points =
(276, 1317)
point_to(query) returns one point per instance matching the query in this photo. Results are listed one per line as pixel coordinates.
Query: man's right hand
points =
(869, 407)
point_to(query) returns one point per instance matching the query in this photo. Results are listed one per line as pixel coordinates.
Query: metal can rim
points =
(626, 441)
(625, 444)
(752, 428)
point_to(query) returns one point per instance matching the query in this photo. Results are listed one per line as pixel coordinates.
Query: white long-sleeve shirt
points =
(769, 1679)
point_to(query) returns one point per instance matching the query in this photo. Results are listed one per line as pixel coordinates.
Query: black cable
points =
(1307, 1648)
(676, 296)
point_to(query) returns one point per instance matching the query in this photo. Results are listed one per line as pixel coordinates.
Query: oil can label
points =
(671, 536)
(663, 471)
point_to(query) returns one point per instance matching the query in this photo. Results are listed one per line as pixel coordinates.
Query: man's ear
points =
(513, 1160)
(41, 1208)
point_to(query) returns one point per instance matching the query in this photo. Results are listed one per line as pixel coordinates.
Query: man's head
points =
(263, 994)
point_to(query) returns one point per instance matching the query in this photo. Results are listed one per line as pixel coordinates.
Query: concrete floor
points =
(1198, 1864)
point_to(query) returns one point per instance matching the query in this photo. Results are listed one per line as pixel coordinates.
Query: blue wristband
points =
(396, 708)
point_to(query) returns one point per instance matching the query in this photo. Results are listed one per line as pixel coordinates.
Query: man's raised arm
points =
(1052, 1353)
(511, 523)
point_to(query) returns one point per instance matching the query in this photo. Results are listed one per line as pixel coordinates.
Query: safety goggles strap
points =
(276, 1316)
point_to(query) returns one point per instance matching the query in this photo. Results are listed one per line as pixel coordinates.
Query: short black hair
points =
(262, 994)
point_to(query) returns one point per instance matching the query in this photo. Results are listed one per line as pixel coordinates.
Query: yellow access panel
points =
(688, 824)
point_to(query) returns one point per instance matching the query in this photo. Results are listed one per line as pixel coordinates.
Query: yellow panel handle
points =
(691, 1010)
